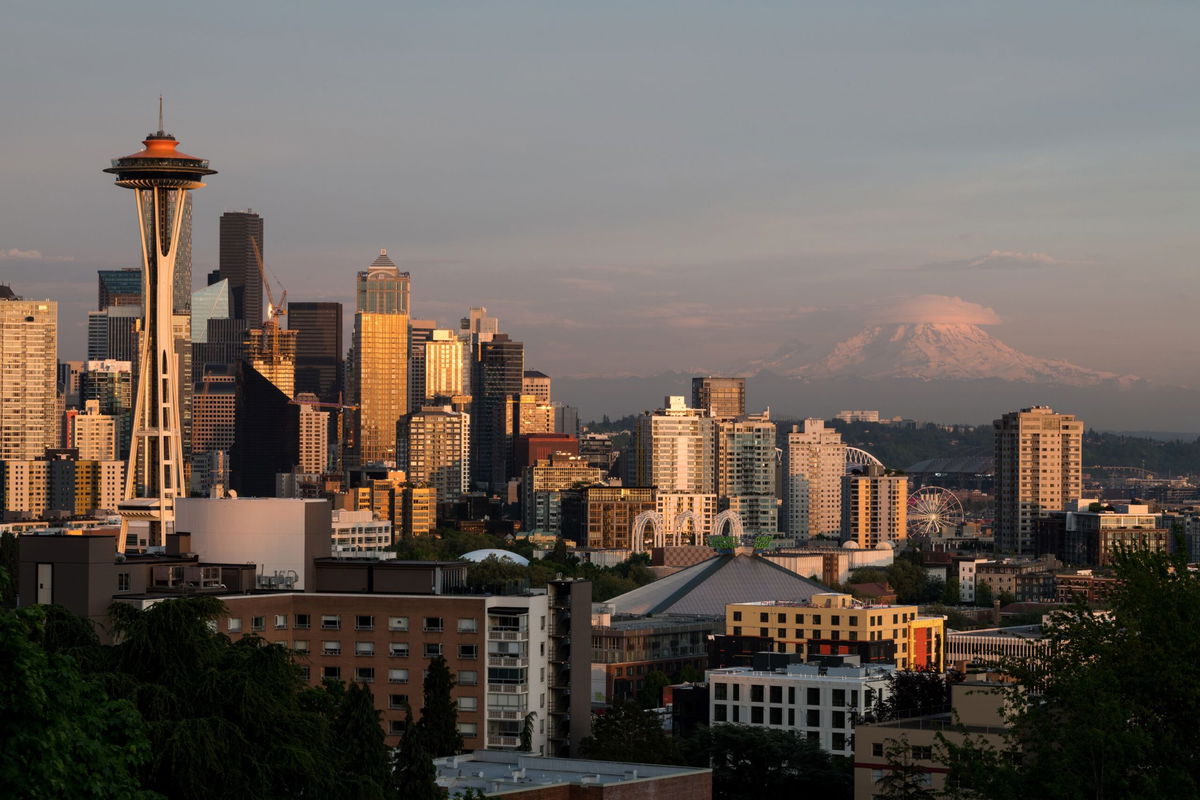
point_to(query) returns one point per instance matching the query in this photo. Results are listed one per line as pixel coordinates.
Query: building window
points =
(305, 673)
(737, 616)
(922, 753)
(468, 704)
(877, 749)
(122, 581)
(720, 714)
(737, 630)
(280, 622)
(433, 649)
(814, 696)
(397, 623)
(364, 648)
(331, 622)
(737, 692)
(721, 691)
(756, 693)
(468, 651)
(839, 719)
(433, 624)
(813, 718)
(839, 698)
(468, 626)
(776, 716)
(763, 617)
(397, 676)
(791, 717)
(331, 673)
(737, 713)
(258, 623)
(839, 741)
(364, 622)
(300, 646)
(396, 726)
(331, 648)
(303, 620)
(756, 715)
(364, 674)
(397, 701)
(763, 632)
(468, 677)
(234, 625)
(398, 650)
(468, 730)
(776, 694)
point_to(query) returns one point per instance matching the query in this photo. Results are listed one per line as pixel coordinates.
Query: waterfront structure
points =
(318, 328)
(813, 464)
(241, 248)
(831, 623)
(435, 449)
(822, 699)
(29, 422)
(745, 470)
(874, 507)
(1038, 470)
(379, 366)
(160, 177)
(720, 397)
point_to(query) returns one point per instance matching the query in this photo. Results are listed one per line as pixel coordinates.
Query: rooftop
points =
(1014, 632)
(499, 771)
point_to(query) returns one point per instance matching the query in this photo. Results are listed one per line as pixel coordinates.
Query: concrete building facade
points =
(813, 465)
(1038, 470)
(874, 507)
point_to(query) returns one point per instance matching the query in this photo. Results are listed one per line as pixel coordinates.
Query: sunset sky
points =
(635, 187)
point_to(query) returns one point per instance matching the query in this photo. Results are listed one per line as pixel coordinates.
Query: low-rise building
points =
(832, 623)
(990, 646)
(625, 651)
(355, 531)
(822, 699)
(1090, 534)
(521, 776)
(1002, 576)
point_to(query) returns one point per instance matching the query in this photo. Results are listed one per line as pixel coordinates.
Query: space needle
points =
(159, 175)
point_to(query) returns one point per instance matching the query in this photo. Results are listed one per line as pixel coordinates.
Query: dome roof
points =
(488, 552)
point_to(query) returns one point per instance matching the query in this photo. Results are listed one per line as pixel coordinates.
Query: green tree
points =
(526, 745)
(912, 694)
(9, 570)
(689, 674)
(495, 574)
(868, 575)
(903, 779)
(983, 595)
(750, 763)
(414, 774)
(363, 757)
(908, 579)
(951, 593)
(62, 735)
(629, 733)
(650, 695)
(439, 714)
(1114, 696)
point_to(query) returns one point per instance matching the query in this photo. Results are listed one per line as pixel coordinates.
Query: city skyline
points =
(836, 166)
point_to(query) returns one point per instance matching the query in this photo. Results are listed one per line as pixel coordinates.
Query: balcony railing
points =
(509, 688)
(503, 741)
(508, 636)
(505, 661)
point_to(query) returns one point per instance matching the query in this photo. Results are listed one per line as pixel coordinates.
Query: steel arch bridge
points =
(856, 457)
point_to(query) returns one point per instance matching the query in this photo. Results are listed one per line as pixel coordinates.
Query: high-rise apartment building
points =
(214, 415)
(93, 434)
(1038, 470)
(271, 350)
(435, 449)
(241, 231)
(420, 331)
(70, 379)
(28, 380)
(379, 366)
(675, 449)
(498, 371)
(314, 436)
(814, 462)
(607, 515)
(745, 471)
(319, 349)
(874, 507)
(543, 485)
(720, 397)
(110, 382)
(537, 384)
(442, 361)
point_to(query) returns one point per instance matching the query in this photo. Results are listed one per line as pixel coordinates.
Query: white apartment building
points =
(443, 364)
(28, 376)
(821, 702)
(745, 471)
(966, 577)
(94, 434)
(814, 462)
(675, 449)
(702, 508)
(314, 436)
(357, 531)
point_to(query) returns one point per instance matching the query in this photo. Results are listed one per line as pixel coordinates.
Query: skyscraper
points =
(874, 507)
(319, 349)
(94, 434)
(161, 177)
(271, 350)
(720, 397)
(28, 379)
(112, 333)
(443, 365)
(745, 471)
(537, 384)
(313, 455)
(498, 371)
(379, 369)
(266, 439)
(675, 449)
(1038, 470)
(435, 449)
(119, 287)
(814, 461)
(240, 232)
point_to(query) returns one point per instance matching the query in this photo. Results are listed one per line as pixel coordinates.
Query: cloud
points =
(998, 257)
(14, 254)
(936, 308)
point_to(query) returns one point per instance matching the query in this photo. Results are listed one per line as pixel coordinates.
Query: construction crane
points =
(274, 312)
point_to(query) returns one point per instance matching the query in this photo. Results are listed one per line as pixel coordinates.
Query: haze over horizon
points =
(649, 187)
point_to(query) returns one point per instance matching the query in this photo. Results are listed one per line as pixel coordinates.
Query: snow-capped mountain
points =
(930, 351)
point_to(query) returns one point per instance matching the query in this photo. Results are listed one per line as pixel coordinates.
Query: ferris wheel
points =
(934, 511)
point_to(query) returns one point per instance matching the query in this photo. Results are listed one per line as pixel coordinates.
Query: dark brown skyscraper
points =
(318, 348)
(239, 265)
(720, 397)
(498, 370)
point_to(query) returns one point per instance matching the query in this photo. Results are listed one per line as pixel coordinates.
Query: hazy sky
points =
(643, 186)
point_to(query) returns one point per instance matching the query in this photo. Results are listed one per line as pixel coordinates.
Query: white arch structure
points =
(731, 518)
(856, 457)
(666, 534)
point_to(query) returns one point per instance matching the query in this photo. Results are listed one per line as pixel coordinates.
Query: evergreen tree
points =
(439, 714)
(628, 733)
(650, 695)
(750, 763)
(415, 776)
